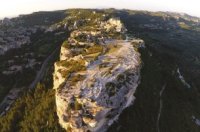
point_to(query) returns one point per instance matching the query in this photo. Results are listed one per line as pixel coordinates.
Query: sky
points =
(11, 8)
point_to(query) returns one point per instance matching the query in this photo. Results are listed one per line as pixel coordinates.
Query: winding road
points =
(6, 103)
(42, 70)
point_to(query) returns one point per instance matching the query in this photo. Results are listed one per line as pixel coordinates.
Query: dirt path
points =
(182, 79)
(160, 108)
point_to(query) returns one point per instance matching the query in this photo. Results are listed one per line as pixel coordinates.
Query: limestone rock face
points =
(95, 81)
(64, 53)
(58, 78)
(114, 24)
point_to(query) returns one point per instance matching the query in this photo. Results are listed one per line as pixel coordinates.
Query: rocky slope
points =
(96, 76)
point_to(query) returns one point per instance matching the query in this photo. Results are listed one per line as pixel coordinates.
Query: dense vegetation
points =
(34, 110)
(40, 18)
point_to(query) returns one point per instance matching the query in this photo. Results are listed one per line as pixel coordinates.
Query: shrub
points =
(66, 44)
(93, 49)
(111, 88)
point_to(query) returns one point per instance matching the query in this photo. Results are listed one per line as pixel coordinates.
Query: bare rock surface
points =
(95, 80)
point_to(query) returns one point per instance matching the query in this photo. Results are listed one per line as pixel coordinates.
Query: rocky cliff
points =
(96, 76)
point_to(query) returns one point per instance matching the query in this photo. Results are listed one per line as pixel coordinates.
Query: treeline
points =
(34, 111)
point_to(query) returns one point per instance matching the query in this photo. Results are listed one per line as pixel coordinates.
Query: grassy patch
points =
(93, 49)
(76, 78)
(113, 48)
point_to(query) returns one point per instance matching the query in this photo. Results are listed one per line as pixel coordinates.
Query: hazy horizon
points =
(11, 8)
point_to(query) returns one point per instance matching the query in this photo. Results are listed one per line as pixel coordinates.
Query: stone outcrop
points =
(95, 80)
(114, 24)
(64, 53)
